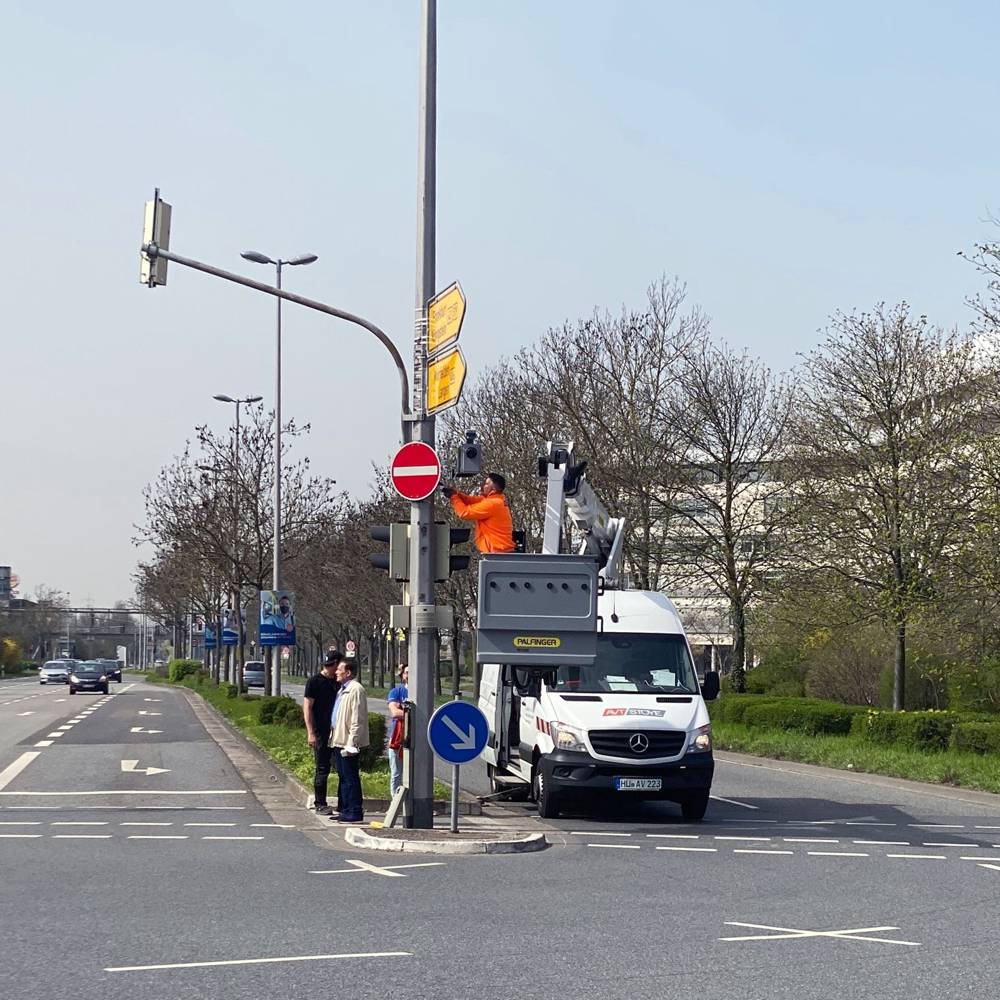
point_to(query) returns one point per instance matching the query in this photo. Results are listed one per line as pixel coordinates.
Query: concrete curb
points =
(357, 837)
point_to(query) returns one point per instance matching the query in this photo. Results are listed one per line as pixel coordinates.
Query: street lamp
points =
(259, 258)
(239, 401)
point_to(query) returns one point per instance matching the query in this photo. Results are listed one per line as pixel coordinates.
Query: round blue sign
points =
(458, 732)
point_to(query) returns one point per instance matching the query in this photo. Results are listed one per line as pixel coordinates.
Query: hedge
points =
(802, 715)
(916, 730)
(177, 670)
(978, 737)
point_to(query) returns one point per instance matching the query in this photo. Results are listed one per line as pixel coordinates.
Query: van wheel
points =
(695, 805)
(546, 800)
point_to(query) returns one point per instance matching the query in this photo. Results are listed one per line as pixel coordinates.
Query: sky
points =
(785, 160)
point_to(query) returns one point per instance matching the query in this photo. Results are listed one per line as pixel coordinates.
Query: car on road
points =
(91, 675)
(56, 671)
(253, 673)
(114, 669)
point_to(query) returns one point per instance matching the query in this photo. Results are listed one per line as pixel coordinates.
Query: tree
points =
(883, 434)
(726, 495)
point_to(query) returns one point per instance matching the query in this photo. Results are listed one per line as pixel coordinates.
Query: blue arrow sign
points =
(457, 732)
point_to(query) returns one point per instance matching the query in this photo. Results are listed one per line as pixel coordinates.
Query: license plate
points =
(638, 784)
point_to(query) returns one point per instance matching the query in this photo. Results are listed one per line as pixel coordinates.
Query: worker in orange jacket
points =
(489, 510)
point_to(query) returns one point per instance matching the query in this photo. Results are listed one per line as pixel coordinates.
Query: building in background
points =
(5, 586)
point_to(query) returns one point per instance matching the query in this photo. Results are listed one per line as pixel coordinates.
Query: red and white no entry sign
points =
(415, 471)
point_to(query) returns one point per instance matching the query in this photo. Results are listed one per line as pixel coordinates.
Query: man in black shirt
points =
(317, 707)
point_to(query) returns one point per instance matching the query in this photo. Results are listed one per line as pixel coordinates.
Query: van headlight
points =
(701, 740)
(567, 738)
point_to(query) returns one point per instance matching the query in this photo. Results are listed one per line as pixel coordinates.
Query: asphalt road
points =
(800, 884)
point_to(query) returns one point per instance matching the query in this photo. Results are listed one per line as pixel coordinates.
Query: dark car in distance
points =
(90, 675)
(113, 668)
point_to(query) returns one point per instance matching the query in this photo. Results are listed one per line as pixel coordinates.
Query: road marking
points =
(146, 824)
(727, 837)
(44, 743)
(995, 868)
(920, 857)
(20, 836)
(388, 868)
(65, 728)
(618, 847)
(987, 828)
(758, 850)
(81, 836)
(21, 822)
(883, 843)
(157, 836)
(134, 791)
(857, 822)
(143, 712)
(673, 836)
(810, 840)
(276, 826)
(787, 933)
(938, 826)
(733, 802)
(699, 850)
(11, 771)
(54, 736)
(837, 854)
(131, 767)
(259, 961)
(210, 824)
(931, 843)
(970, 858)
(595, 833)
(21, 715)
(228, 837)
(82, 822)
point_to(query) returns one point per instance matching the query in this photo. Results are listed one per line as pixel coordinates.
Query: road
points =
(118, 881)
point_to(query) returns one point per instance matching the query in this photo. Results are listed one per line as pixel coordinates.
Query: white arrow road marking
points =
(786, 933)
(142, 712)
(139, 729)
(131, 767)
(466, 741)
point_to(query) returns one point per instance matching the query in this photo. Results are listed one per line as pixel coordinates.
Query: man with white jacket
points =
(348, 737)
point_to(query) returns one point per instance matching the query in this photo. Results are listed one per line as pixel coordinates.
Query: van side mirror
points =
(710, 689)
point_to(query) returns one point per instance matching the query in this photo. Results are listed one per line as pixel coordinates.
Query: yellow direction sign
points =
(445, 377)
(445, 313)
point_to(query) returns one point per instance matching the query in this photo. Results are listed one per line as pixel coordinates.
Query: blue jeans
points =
(395, 770)
(349, 772)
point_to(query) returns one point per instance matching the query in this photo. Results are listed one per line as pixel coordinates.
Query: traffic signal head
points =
(444, 562)
(397, 559)
(470, 457)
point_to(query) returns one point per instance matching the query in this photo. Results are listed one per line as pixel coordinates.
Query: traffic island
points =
(443, 841)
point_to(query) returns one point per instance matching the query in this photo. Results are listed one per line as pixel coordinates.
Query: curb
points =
(357, 837)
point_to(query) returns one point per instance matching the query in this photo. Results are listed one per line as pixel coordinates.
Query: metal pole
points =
(422, 639)
(454, 799)
(237, 602)
(274, 664)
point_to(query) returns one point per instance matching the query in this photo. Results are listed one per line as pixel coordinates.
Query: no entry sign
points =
(415, 471)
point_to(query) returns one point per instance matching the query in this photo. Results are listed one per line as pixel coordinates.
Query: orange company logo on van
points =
(614, 711)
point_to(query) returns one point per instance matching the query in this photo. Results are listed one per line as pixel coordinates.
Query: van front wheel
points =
(695, 805)
(546, 800)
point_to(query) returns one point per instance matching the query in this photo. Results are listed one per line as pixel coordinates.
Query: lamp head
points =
(256, 258)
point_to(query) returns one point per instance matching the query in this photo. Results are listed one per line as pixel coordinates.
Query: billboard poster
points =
(277, 618)
(230, 627)
(209, 637)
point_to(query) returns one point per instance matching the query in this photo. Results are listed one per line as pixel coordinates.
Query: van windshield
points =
(632, 663)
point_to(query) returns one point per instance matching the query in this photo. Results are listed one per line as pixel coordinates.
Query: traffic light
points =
(397, 559)
(470, 456)
(444, 562)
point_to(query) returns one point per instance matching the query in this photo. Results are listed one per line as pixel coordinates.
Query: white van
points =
(633, 724)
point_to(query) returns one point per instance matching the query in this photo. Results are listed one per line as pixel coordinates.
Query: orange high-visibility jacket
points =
(494, 526)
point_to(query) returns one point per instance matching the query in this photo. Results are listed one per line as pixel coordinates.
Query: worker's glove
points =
(449, 491)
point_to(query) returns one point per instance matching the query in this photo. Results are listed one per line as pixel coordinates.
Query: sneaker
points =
(322, 810)
(351, 819)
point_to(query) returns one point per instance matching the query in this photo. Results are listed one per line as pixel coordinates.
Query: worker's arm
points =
(395, 710)
(473, 508)
(307, 704)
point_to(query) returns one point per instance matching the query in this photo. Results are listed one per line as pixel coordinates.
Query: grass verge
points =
(852, 753)
(285, 745)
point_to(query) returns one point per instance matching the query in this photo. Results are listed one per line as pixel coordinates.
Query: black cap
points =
(333, 657)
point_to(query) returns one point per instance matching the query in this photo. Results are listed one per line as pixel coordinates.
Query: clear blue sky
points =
(785, 160)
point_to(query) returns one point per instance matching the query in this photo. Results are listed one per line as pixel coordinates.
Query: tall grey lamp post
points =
(237, 583)
(259, 258)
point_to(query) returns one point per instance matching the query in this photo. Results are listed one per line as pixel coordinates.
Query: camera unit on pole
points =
(470, 456)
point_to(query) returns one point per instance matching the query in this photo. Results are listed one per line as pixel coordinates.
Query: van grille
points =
(615, 742)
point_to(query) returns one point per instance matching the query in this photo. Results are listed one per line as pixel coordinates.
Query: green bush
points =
(272, 709)
(372, 754)
(731, 707)
(978, 737)
(177, 670)
(914, 730)
(232, 691)
(975, 686)
(780, 674)
(803, 715)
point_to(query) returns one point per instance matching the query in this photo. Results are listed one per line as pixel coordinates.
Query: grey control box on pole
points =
(537, 610)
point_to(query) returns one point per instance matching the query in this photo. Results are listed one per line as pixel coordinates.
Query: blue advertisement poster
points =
(277, 618)
(230, 627)
(209, 637)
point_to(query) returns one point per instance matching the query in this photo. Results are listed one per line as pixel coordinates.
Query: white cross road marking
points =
(372, 869)
(258, 961)
(788, 933)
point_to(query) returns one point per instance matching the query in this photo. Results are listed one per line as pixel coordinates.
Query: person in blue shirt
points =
(395, 699)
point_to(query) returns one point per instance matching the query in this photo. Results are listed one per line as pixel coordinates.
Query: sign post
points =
(457, 733)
